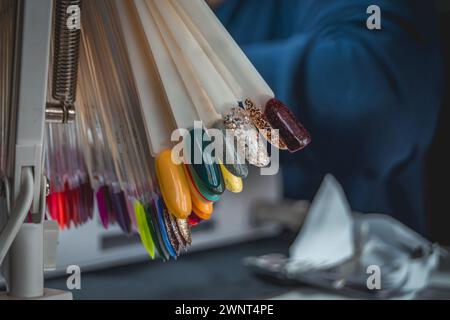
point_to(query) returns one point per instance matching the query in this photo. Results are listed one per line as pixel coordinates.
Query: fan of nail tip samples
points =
(147, 68)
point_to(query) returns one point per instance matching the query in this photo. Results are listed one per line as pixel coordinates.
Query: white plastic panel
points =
(32, 89)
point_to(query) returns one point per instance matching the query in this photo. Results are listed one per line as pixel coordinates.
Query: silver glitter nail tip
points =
(249, 141)
(185, 230)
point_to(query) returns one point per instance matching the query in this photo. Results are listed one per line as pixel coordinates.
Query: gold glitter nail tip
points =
(261, 122)
(249, 141)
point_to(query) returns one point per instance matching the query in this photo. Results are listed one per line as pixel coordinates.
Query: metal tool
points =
(66, 47)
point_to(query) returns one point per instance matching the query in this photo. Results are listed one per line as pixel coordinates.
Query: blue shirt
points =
(369, 98)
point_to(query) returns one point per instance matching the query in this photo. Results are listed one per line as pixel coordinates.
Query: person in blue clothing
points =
(370, 98)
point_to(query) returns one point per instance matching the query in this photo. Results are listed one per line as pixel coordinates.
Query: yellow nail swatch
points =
(232, 183)
(144, 231)
(174, 186)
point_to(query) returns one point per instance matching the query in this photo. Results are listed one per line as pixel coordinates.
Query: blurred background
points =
(437, 172)
(268, 216)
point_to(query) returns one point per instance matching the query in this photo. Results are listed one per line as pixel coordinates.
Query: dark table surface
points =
(213, 274)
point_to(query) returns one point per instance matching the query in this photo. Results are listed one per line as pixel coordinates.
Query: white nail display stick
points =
(159, 123)
(179, 101)
(229, 78)
(254, 86)
(211, 81)
(202, 103)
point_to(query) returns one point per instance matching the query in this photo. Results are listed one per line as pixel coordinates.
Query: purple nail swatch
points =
(120, 210)
(103, 206)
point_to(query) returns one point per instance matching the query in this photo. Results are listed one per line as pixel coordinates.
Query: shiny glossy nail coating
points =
(233, 184)
(173, 185)
(162, 226)
(152, 215)
(204, 206)
(194, 220)
(207, 171)
(196, 183)
(198, 200)
(205, 215)
(148, 216)
(292, 132)
(232, 159)
(144, 231)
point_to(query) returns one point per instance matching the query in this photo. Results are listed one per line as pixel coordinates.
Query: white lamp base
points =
(49, 294)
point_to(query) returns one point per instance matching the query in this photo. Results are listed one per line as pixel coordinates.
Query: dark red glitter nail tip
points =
(295, 136)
